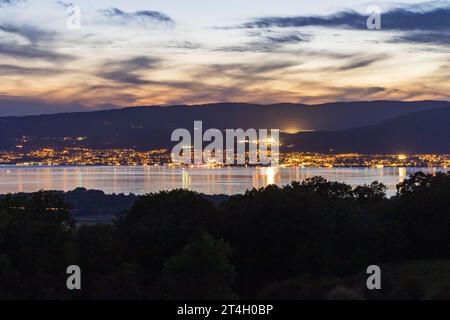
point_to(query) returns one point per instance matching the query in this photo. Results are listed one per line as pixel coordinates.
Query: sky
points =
(166, 52)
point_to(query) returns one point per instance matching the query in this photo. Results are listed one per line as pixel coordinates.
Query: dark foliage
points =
(308, 240)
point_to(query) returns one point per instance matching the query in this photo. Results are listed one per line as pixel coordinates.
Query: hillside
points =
(150, 127)
(421, 132)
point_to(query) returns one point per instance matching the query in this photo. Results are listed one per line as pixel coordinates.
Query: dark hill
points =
(150, 127)
(421, 132)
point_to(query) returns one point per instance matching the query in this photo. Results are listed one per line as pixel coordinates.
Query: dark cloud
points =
(435, 38)
(288, 38)
(141, 16)
(32, 52)
(127, 71)
(31, 33)
(348, 94)
(64, 4)
(183, 45)
(249, 47)
(363, 91)
(24, 71)
(240, 78)
(268, 42)
(340, 19)
(361, 62)
(397, 19)
(241, 70)
(4, 3)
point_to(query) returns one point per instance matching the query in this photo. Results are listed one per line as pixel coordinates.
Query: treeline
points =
(308, 240)
(85, 202)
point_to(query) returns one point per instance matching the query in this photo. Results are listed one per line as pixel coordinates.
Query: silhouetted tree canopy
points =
(307, 240)
(202, 270)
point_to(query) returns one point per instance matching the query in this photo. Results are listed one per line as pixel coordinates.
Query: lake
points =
(141, 180)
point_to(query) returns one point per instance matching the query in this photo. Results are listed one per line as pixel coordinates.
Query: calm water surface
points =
(140, 180)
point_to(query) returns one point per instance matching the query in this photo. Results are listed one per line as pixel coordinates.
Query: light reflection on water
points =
(140, 180)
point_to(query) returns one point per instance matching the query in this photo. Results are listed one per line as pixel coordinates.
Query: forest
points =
(307, 240)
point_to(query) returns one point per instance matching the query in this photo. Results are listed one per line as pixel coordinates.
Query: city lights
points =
(130, 157)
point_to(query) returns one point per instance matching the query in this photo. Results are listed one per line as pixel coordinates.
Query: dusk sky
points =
(165, 52)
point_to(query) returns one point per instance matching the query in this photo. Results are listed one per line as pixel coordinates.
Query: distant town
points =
(161, 157)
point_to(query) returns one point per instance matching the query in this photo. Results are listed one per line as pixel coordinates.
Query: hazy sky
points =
(177, 51)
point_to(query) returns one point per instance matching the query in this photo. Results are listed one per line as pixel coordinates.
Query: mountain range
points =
(416, 133)
(369, 127)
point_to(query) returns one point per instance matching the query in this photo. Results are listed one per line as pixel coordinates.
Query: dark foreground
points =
(310, 240)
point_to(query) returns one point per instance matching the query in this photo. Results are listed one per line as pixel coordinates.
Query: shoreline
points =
(215, 167)
(139, 180)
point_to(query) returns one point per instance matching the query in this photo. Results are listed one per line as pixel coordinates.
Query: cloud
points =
(237, 80)
(435, 38)
(361, 92)
(396, 19)
(242, 70)
(427, 23)
(268, 41)
(288, 38)
(361, 62)
(31, 33)
(183, 45)
(32, 52)
(340, 19)
(249, 47)
(64, 4)
(139, 17)
(24, 71)
(127, 71)
(4, 3)
(350, 93)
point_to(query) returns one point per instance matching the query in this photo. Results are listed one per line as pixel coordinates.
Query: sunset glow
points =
(131, 53)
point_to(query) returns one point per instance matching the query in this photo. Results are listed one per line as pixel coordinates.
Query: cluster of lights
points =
(362, 160)
(129, 157)
(83, 156)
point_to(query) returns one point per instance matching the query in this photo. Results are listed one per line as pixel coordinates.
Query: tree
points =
(202, 270)
(36, 236)
(122, 284)
(159, 225)
(304, 287)
(10, 281)
(422, 207)
(370, 193)
(323, 187)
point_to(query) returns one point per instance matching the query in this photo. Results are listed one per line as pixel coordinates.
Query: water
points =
(141, 180)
